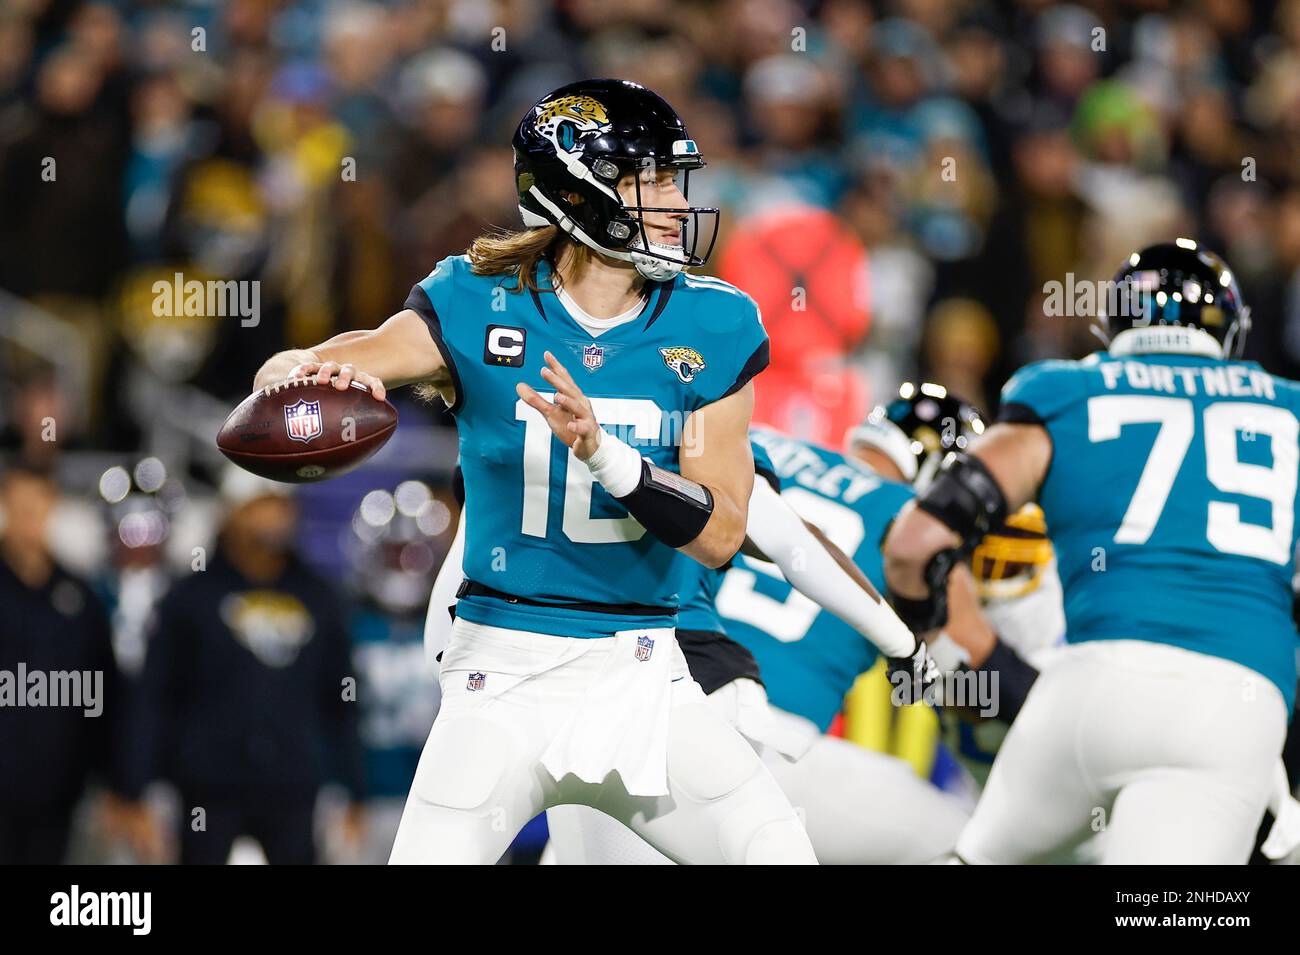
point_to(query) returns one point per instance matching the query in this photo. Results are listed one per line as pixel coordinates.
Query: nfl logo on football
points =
(593, 356)
(302, 420)
(644, 647)
(476, 681)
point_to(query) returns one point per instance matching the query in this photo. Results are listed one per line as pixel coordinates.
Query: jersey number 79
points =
(1225, 471)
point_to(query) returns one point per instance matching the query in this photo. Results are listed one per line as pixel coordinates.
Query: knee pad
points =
(707, 758)
(463, 763)
(765, 835)
(758, 827)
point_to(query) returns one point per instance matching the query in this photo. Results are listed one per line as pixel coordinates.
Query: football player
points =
(1013, 567)
(1166, 469)
(602, 398)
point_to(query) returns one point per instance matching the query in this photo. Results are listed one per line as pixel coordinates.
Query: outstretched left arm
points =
(822, 572)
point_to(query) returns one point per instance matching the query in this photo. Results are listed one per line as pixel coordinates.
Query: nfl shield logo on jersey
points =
(644, 647)
(476, 681)
(593, 356)
(302, 420)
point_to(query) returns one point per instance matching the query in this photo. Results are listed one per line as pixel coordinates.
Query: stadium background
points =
(899, 181)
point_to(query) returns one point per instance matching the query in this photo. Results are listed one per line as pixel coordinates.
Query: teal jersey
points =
(699, 592)
(808, 657)
(1171, 501)
(566, 557)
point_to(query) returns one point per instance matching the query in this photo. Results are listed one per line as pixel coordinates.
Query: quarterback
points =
(602, 398)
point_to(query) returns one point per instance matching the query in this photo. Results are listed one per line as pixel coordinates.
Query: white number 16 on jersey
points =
(641, 414)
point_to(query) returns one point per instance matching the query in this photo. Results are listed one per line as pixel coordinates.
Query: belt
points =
(470, 588)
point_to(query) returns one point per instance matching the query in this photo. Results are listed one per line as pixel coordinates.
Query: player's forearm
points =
(971, 496)
(701, 520)
(722, 536)
(813, 566)
(398, 352)
(723, 462)
(910, 546)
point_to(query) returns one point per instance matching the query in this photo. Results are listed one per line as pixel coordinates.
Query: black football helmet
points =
(1175, 297)
(573, 147)
(918, 429)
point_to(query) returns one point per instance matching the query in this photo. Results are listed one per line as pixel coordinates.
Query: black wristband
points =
(966, 498)
(671, 507)
(920, 614)
(1015, 677)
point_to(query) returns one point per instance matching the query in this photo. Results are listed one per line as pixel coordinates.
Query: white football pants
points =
(507, 695)
(860, 807)
(1170, 753)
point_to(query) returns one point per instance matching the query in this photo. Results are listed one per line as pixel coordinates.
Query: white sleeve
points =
(780, 533)
(437, 622)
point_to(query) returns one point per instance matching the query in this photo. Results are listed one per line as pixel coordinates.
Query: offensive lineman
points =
(562, 673)
(1167, 470)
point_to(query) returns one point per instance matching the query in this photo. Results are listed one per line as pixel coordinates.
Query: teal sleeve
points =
(764, 467)
(738, 335)
(1040, 392)
(431, 299)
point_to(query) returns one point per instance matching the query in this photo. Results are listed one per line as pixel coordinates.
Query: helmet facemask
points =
(625, 235)
(659, 261)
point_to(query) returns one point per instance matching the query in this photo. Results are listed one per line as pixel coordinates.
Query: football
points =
(298, 432)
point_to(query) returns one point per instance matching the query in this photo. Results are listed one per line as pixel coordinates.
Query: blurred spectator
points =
(396, 543)
(807, 273)
(961, 341)
(60, 187)
(59, 692)
(247, 701)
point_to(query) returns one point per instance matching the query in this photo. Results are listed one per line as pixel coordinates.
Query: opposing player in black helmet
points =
(918, 428)
(602, 398)
(1167, 474)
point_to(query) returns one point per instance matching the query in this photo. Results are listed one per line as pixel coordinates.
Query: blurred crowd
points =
(899, 183)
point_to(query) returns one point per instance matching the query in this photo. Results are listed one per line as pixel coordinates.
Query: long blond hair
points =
(518, 254)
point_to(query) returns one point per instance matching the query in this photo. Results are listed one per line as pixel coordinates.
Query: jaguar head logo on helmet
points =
(573, 153)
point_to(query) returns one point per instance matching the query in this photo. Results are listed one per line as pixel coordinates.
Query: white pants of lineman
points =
(1169, 753)
(860, 807)
(529, 721)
